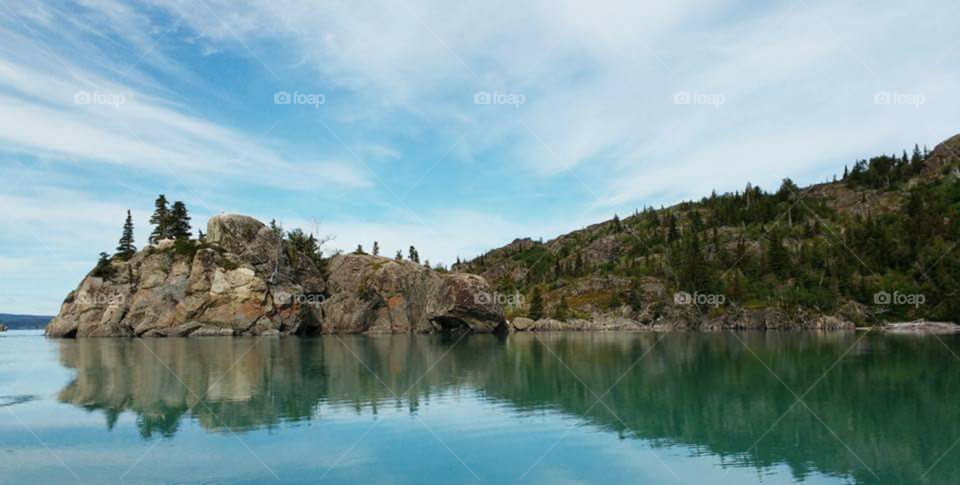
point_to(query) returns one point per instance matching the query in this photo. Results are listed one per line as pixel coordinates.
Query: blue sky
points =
(599, 130)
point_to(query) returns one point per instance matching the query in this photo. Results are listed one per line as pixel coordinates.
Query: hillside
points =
(24, 322)
(874, 246)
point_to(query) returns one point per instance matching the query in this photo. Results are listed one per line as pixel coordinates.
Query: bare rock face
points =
(381, 295)
(942, 156)
(222, 286)
(245, 279)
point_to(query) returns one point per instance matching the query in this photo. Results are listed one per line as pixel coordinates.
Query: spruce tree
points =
(126, 249)
(414, 255)
(399, 256)
(103, 269)
(376, 248)
(160, 219)
(536, 305)
(562, 310)
(179, 221)
(778, 259)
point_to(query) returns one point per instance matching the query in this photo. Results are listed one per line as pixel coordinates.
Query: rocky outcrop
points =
(381, 295)
(618, 324)
(245, 279)
(921, 327)
(3, 328)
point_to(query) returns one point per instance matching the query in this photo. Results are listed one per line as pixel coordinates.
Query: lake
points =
(675, 408)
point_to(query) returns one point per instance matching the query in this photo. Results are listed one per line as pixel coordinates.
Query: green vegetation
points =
(104, 269)
(169, 223)
(307, 245)
(888, 226)
(125, 248)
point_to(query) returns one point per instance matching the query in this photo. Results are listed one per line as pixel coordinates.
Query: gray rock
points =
(381, 295)
(245, 280)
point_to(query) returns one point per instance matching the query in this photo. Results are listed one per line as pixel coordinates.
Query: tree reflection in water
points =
(891, 399)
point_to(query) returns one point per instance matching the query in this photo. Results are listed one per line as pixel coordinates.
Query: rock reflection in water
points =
(886, 399)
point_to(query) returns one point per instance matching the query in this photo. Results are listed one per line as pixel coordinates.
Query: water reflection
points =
(891, 400)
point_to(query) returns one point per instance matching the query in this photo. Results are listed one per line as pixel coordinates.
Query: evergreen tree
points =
(414, 255)
(359, 249)
(103, 269)
(693, 267)
(376, 248)
(562, 310)
(778, 259)
(536, 304)
(200, 236)
(179, 221)
(399, 256)
(672, 232)
(160, 220)
(126, 249)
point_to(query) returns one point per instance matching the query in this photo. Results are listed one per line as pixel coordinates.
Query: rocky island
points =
(245, 278)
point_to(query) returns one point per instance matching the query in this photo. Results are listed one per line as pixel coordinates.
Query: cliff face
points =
(245, 279)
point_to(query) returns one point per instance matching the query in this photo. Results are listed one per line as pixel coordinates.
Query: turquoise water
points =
(681, 408)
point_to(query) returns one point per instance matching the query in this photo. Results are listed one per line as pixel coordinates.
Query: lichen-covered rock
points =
(381, 295)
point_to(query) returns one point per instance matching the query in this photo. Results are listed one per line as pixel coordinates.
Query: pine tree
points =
(414, 255)
(536, 305)
(426, 263)
(179, 221)
(359, 249)
(103, 269)
(126, 249)
(376, 248)
(160, 219)
(399, 256)
(778, 259)
(693, 266)
(562, 310)
(672, 233)
(200, 235)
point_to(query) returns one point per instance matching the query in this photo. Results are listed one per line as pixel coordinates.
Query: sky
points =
(595, 108)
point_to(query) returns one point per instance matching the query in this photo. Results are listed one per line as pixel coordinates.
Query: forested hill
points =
(887, 225)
